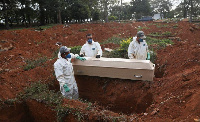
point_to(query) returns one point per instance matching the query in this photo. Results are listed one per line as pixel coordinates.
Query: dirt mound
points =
(172, 96)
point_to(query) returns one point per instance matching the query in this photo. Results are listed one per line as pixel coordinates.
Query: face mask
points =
(90, 41)
(68, 56)
(140, 40)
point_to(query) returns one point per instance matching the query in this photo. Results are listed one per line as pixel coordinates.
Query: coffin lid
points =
(116, 63)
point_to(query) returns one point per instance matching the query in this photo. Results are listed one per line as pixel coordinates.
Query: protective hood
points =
(59, 55)
(134, 38)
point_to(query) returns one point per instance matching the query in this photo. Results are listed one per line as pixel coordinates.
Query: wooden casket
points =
(115, 68)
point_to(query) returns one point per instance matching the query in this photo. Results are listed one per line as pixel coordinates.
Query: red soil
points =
(174, 94)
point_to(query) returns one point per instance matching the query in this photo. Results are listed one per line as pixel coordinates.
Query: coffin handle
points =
(79, 71)
(138, 76)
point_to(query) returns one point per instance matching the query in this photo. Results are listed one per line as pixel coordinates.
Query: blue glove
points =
(80, 58)
(66, 88)
(148, 56)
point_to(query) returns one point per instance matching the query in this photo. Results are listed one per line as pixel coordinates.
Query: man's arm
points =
(99, 50)
(82, 51)
(131, 52)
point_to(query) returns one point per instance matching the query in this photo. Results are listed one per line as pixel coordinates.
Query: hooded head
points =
(63, 52)
(141, 36)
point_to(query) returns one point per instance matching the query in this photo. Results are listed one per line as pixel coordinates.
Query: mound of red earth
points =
(174, 94)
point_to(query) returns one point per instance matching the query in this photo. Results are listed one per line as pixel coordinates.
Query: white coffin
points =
(115, 68)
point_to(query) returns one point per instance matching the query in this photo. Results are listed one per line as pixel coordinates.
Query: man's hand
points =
(81, 55)
(66, 88)
(97, 56)
(80, 58)
(148, 56)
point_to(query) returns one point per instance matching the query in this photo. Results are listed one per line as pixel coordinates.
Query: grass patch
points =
(156, 44)
(47, 26)
(142, 28)
(158, 34)
(162, 26)
(82, 30)
(114, 40)
(175, 26)
(31, 64)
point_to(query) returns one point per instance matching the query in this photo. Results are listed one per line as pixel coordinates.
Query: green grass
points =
(113, 40)
(47, 26)
(31, 64)
(82, 30)
(142, 28)
(156, 44)
(158, 34)
(162, 26)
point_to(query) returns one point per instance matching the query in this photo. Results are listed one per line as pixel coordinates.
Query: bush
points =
(121, 52)
(75, 49)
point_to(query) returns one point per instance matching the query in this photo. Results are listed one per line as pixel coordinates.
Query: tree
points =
(79, 11)
(188, 8)
(161, 6)
(141, 8)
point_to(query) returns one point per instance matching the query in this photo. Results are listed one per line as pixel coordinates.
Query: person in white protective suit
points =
(91, 48)
(65, 74)
(138, 48)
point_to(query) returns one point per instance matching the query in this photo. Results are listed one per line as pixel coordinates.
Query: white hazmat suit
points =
(91, 50)
(65, 75)
(137, 50)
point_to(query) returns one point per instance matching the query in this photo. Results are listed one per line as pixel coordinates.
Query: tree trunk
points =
(191, 10)
(42, 15)
(5, 15)
(184, 9)
(59, 17)
(106, 11)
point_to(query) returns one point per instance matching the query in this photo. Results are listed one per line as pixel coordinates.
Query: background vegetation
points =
(40, 12)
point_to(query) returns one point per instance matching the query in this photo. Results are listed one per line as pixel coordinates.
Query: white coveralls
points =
(138, 50)
(91, 50)
(65, 75)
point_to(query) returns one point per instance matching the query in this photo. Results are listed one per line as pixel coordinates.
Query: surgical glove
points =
(97, 56)
(66, 88)
(80, 58)
(81, 55)
(148, 56)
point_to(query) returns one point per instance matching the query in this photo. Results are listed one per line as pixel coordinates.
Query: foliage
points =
(124, 44)
(96, 15)
(153, 44)
(31, 64)
(114, 40)
(121, 52)
(161, 6)
(112, 18)
(141, 8)
(75, 49)
(157, 44)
